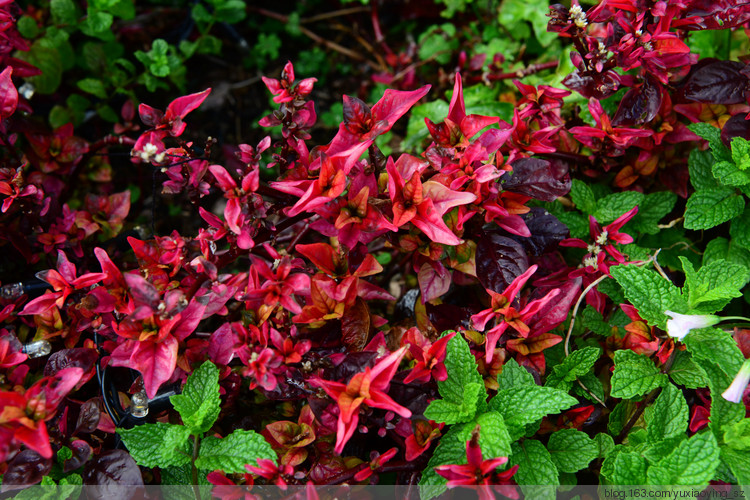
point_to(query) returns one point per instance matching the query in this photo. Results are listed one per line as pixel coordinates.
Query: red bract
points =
(23, 416)
(429, 356)
(271, 472)
(8, 94)
(284, 89)
(64, 282)
(368, 387)
(604, 137)
(171, 121)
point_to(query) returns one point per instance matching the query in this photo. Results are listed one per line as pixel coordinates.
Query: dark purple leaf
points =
(26, 468)
(736, 126)
(556, 311)
(449, 316)
(538, 179)
(79, 357)
(113, 474)
(354, 363)
(546, 232)
(81, 453)
(639, 105)
(499, 260)
(355, 326)
(720, 82)
(599, 86)
(88, 417)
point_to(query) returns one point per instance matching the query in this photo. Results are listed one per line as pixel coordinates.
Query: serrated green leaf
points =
(199, 404)
(668, 416)
(450, 450)
(650, 293)
(651, 210)
(442, 410)
(147, 444)
(63, 12)
(700, 165)
(176, 447)
(93, 86)
(462, 371)
(604, 444)
(739, 229)
(715, 346)
(713, 136)
(723, 413)
(594, 387)
(535, 465)
(514, 375)
(594, 321)
(727, 173)
(583, 197)
(571, 450)
(656, 451)
(741, 152)
(738, 462)
(579, 363)
(634, 375)
(628, 468)
(620, 414)
(721, 248)
(233, 452)
(97, 23)
(693, 462)
(713, 285)
(737, 435)
(524, 405)
(684, 371)
(416, 131)
(614, 205)
(708, 208)
(494, 439)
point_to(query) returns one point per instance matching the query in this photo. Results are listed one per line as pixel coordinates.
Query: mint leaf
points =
(739, 463)
(715, 346)
(594, 386)
(737, 435)
(708, 208)
(493, 435)
(63, 12)
(739, 229)
(668, 416)
(634, 375)
(150, 445)
(741, 152)
(713, 136)
(527, 404)
(441, 410)
(723, 412)
(579, 363)
(722, 248)
(594, 321)
(727, 173)
(199, 404)
(700, 165)
(572, 450)
(627, 468)
(648, 292)
(535, 465)
(462, 371)
(614, 205)
(605, 444)
(450, 450)
(231, 453)
(684, 371)
(693, 462)
(712, 287)
(583, 197)
(93, 86)
(514, 375)
(651, 210)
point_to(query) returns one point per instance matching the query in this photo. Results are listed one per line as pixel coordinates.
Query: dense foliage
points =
(537, 280)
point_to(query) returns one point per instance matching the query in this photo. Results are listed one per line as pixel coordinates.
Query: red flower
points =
(368, 387)
(430, 356)
(268, 469)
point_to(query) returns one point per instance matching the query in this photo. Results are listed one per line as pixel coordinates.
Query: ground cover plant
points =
(486, 246)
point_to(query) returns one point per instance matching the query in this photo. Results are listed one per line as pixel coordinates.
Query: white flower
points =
(681, 324)
(735, 391)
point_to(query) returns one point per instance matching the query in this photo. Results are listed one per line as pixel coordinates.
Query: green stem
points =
(196, 447)
(736, 318)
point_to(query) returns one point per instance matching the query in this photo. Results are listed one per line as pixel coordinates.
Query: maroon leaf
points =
(539, 179)
(546, 232)
(450, 316)
(555, 311)
(88, 417)
(639, 105)
(26, 468)
(357, 115)
(8, 94)
(113, 474)
(81, 453)
(355, 326)
(434, 281)
(81, 357)
(736, 126)
(720, 82)
(499, 260)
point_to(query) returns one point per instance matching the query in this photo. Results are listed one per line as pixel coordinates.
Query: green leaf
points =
(535, 465)
(700, 167)
(416, 131)
(199, 403)
(604, 443)
(438, 43)
(583, 197)
(721, 248)
(715, 346)
(572, 450)
(739, 463)
(741, 152)
(48, 60)
(668, 416)
(614, 205)
(149, 444)
(233, 452)
(708, 208)
(739, 229)
(578, 364)
(627, 468)
(684, 371)
(737, 435)
(634, 375)
(93, 86)
(594, 321)
(27, 27)
(620, 415)
(650, 293)
(462, 371)
(494, 439)
(714, 285)
(594, 386)
(651, 210)
(527, 404)
(63, 12)
(514, 375)
(713, 136)
(450, 450)
(693, 462)
(728, 174)
(97, 24)
(723, 413)
(442, 410)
